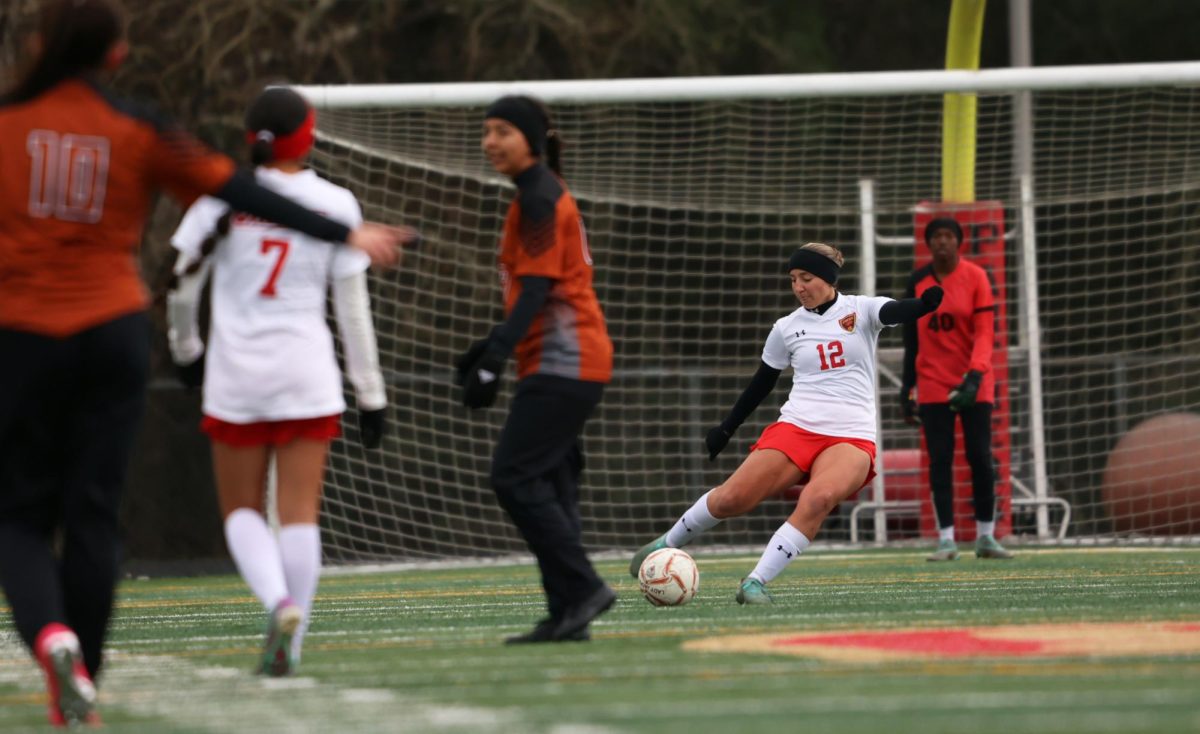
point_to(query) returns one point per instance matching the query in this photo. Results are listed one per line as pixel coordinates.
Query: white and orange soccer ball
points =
(669, 578)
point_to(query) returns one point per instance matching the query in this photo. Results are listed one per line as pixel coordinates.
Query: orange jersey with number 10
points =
(544, 236)
(78, 171)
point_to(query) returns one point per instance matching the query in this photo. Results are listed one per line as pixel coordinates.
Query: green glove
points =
(963, 396)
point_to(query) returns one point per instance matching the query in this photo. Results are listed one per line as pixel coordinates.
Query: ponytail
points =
(207, 246)
(554, 151)
(262, 150)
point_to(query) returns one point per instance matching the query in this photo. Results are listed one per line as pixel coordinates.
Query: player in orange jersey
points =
(78, 172)
(564, 358)
(951, 371)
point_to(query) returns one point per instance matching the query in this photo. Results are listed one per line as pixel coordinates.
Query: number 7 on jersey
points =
(268, 289)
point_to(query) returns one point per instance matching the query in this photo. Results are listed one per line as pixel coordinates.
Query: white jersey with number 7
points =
(832, 356)
(270, 352)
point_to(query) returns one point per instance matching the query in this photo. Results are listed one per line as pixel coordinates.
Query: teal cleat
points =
(987, 547)
(752, 591)
(636, 564)
(946, 551)
(282, 625)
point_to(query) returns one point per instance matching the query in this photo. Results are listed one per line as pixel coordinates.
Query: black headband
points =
(525, 116)
(944, 223)
(815, 263)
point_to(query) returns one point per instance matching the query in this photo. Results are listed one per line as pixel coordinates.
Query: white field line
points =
(976, 703)
(215, 698)
(832, 552)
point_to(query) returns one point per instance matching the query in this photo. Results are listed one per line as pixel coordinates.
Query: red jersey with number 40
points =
(544, 237)
(78, 172)
(270, 352)
(958, 336)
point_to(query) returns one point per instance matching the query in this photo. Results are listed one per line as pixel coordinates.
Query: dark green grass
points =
(420, 651)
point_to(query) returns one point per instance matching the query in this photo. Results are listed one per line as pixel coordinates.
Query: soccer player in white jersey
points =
(271, 380)
(825, 435)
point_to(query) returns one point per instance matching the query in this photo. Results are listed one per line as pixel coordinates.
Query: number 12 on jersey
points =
(835, 355)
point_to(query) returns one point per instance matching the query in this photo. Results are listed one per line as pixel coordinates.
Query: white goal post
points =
(694, 190)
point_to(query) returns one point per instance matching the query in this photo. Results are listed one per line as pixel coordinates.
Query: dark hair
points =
(75, 36)
(219, 232)
(276, 110)
(554, 141)
(944, 222)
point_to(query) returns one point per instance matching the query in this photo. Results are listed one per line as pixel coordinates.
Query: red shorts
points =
(272, 433)
(803, 447)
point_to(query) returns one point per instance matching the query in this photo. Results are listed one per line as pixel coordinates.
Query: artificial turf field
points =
(419, 650)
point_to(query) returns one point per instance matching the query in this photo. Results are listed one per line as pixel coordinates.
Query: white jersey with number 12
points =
(832, 356)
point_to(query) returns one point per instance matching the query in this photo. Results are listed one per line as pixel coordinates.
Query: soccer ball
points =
(668, 578)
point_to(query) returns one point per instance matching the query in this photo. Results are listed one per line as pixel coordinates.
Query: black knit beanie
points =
(524, 115)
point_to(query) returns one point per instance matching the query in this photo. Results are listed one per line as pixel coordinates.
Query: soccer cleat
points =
(752, 591)
(576, 617)
(72, 693)
(946, 551)
(281, 629)
(987, 547)
(544, 632)
(657, 544)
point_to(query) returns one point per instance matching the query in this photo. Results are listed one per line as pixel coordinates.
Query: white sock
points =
(300, 549)
(984, 528)
(693, 522)
(256, 553)
(946, 533)
(785, 545)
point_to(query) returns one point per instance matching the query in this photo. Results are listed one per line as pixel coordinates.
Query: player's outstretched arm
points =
(760, 387)
(907, 310)
(480, 367)
(908, 381)
(380, 242)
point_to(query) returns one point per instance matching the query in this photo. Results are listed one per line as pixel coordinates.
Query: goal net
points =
(694, 192)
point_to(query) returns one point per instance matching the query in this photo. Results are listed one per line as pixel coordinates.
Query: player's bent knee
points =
(730, 501)
(817, 502)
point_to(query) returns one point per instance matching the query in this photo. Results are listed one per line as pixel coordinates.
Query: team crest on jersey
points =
(847, 322)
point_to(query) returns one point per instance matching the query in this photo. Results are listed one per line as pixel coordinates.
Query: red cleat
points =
(72, 693)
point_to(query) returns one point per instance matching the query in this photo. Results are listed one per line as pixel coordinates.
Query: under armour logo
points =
(802, 332)
(685, 527)
(781, 550)
(486, 376)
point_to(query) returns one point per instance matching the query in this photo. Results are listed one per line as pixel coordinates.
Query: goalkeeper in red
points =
(947, 358)
(825, 433)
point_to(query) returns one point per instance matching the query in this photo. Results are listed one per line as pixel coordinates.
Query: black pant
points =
(938, 421)
(69, 410)
(535, 474)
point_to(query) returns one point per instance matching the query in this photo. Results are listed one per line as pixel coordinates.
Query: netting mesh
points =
(692, 209)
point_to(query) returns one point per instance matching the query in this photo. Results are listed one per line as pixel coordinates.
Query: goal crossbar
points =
(686, 89)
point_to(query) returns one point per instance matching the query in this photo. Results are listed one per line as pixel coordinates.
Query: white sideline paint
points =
(216, 698)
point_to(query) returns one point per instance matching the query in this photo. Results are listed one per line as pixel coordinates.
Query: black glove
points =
(479, 371)
(908, 406)
(372, 424)
(716, 440)
(467, 359)
(932, 298)
(963, 396)
(191, 375)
